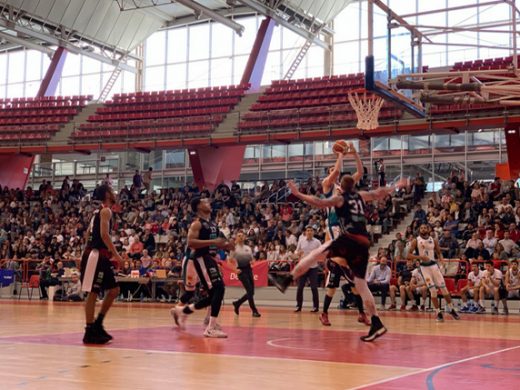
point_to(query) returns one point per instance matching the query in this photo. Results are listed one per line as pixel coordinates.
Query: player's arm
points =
(382, 192)
(359, 166)
(334, 201)
(232, 262)
(508, 282)
(195, 243)
(333, 176)
(104, 221)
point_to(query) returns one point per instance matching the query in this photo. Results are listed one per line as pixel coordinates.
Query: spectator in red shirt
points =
(136, 249)
(514, 233)
(494, 188)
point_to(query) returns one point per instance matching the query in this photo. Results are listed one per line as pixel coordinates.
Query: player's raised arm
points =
(359, 164)
(335, 201)
(383, 192)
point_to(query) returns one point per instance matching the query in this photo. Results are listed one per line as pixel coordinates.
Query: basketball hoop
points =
(367, 110)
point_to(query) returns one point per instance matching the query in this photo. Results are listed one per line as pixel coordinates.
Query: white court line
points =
(433, 368)
(272, 343)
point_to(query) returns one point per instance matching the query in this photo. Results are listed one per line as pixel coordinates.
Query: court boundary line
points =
(440, 366)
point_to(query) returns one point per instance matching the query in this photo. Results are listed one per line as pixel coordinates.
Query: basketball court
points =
(42, 349)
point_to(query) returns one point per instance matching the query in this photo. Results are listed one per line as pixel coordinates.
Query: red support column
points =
(212, 166)
(513, 146)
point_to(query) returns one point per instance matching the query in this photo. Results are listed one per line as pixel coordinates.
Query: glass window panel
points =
(346, 58)
(244, 43)
(90, 65)
(419, 142)
(315, 61)
(176, 76)
(198, 73)
(278, 150)
(91, 85)
(221, 36)
(16, 66)
(3, 91)
(177, 44)
(128, 81)
(72, 65)
(346, 24)
(295, 150)
(70, 86)
(199, 42)
(15, 90)
(3, 69)
(33, 71)
(174, 158)
(32, 87)
(154, 78)
(155, 49)
(238, 68)
(276, 39)
(221, 71)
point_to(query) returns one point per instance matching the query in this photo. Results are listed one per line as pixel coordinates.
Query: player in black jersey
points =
(350, 249)
(203, 239)
(96, 268)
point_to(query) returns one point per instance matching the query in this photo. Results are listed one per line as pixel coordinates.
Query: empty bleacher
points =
(161, 114)
(308, 103)
(33, 120)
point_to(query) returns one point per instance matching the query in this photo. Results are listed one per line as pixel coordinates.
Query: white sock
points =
(212, 322)
(481, 302)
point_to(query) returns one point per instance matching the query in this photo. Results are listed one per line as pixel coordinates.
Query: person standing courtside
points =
(306, 244)
(96, 269)
(243, 257)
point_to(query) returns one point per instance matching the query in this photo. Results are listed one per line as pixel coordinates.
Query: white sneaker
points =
(179, 316)
(214, 333)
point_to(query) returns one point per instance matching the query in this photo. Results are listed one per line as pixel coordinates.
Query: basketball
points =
(340, 146)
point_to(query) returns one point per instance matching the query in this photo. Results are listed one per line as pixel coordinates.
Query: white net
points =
(367, 110)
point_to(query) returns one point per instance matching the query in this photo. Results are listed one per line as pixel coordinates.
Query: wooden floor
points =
(41, 348)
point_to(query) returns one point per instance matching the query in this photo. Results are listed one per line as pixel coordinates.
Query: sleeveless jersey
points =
(332, 217)
(95, 239)
(426, 247)
(208, 231)
(514, 280)
(351, 215)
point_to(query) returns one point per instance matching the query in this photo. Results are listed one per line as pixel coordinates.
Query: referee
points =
(243, 257)
(306, 244)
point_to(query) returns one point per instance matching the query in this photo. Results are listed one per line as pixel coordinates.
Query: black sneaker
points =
(93, 337)
(315, 310)
(454, 314)
(377, 329)
(256, 314)
(236, 307)
(439, 318)
(281, 282)
(101, 331)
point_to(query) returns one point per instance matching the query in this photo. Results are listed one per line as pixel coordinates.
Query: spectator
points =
(448, 244)
(137, 181)
(490, 287)
(72, 291)
(510, 247)
(490, 241)
(419, 214)
(472, 289)
(472, 246)
(379, 281)
(147, 179)
(136, 248)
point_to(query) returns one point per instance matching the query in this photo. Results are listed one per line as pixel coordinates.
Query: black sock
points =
(187, 310)
(99, 319)
(326, 303)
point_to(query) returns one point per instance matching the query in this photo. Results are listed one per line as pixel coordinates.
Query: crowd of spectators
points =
(474, 223)
(48, 225)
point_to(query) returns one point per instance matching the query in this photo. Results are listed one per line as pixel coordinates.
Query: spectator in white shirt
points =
(306, 244)
(490, 241)
(490, 287)
(379, 280)
(509, 245)
(472, 289)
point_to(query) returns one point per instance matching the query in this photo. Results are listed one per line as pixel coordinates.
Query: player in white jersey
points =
(426, 248)
(331, 187)
(472, 289)
(491, 286)
(418, 286)
(512, 282)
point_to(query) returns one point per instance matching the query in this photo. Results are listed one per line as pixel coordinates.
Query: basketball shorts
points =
(432, 276)
(97, 272)
(513, 294)
(354, 249)
(201, 269)
(336, 272)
